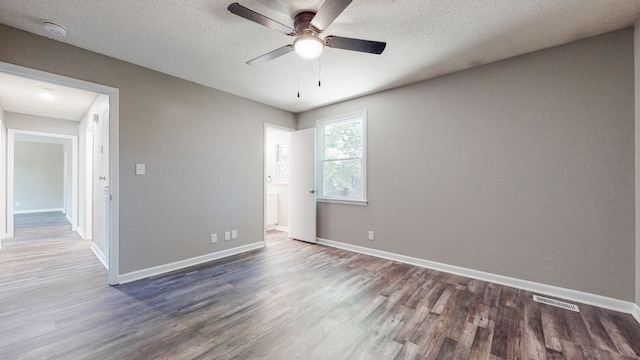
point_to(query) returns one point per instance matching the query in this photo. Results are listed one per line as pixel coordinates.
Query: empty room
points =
(320, 179)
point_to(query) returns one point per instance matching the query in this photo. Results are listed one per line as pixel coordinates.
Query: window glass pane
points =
(342, 178)
(282, 151)
(343, 140)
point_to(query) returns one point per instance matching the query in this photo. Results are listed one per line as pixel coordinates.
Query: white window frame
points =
(320, 124)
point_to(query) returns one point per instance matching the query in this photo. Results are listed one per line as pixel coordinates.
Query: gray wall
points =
(39, 176)
(523, 168)
(39, 123)
(203, 150)
(637, 128)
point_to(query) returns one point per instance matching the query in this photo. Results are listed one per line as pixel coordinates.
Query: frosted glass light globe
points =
(308, 46)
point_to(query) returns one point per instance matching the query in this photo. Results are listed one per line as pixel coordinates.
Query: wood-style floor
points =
(40, 227)
(290, 300)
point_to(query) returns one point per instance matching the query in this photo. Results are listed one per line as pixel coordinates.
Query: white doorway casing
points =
(3, 188)
(112, 216)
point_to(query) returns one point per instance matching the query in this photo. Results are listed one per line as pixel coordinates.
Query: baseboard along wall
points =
(636, 312)
(555, 291)
(177, 265)
(100, 255)
(34, 211)
(539, 288)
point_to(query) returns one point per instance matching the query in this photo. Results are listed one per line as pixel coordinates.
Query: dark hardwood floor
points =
(290, 300)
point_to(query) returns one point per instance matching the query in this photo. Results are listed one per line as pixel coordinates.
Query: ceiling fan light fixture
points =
(308, 46)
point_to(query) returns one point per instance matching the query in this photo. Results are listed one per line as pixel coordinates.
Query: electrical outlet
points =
(371, 235)
(227, 235)
(234, 234)
(214, 238)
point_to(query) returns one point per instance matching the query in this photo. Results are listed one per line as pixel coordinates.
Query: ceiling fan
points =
(308, 26)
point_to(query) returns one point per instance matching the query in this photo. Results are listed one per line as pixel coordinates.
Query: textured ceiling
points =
(199, 40)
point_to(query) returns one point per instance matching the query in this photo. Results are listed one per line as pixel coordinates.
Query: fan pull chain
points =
(319, 70)
(298, 79)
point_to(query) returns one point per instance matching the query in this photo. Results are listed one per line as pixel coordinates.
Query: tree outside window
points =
(341, 158)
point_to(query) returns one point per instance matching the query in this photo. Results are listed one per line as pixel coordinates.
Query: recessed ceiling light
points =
(54, 28)
(47, 94)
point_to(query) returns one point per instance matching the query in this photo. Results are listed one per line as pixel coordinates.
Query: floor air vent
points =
(556, 303)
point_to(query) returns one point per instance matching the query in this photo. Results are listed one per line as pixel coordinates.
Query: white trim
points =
(177, 265)
(35, 211)
(100, 255)
(114, 151)
(636, 312)
(574, 295)
(3, 167)
(82, 233)
(282, 228)
(114, 187)
(9, 184)
(343, 202)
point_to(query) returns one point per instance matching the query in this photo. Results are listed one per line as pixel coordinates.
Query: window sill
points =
(343, 202)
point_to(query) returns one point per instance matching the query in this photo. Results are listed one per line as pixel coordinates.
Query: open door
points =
(302, 185)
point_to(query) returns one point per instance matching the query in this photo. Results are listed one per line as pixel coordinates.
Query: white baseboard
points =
(578, 296)
(636, 312)
(69, 218)
(33, 211)
(100, 255)
(277, 227)
(162, 269)
(82, 234)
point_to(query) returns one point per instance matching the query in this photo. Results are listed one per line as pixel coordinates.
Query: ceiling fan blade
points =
(329, 11)
(249, 14)
(271, 55)
(367, 46)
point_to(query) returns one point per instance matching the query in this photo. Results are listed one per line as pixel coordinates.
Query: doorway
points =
(109, 220)
(42, 170)
(276, 179)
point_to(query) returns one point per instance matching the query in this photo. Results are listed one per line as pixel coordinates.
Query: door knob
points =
(312, 191)
(102, 178)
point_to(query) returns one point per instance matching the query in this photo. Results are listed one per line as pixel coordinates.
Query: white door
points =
(302, 185)
(101, 191)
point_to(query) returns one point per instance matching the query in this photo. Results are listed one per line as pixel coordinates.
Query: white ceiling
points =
(21, 95)
(199, 40)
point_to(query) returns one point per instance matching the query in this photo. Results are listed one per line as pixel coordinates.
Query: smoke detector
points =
(54, 28)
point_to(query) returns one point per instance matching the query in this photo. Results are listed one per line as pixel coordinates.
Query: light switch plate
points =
(140, 169)
(234, 234)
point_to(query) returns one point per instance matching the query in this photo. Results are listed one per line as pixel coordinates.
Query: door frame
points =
(11, 134)
(3, 188)
(264, 175)
(114, 157)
